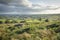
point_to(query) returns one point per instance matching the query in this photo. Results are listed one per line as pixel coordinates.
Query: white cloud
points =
(24, 3)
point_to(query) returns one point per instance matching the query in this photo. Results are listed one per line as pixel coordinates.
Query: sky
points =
(29, 6)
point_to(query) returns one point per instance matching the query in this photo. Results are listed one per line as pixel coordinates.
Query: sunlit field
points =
(30, 27)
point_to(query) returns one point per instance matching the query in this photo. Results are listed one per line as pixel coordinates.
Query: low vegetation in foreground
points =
(30, 27)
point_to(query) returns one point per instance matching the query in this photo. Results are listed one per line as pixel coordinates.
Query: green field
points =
(30, 27)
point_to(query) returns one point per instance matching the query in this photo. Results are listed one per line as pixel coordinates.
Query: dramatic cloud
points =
(21, 3)
(29, 7)
(5, 1)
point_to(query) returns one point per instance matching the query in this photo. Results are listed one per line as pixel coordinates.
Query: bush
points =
(1, 22)
(52, 26)
(46, 20)
(7, 21)
(13, 21)
(57, 30)
(23, 21)
(40, 19)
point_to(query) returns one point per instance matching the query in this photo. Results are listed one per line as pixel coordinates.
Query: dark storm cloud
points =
(6, 8)
(5, 1)
(23, 6)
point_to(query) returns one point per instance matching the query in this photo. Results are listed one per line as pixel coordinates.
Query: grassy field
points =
(30, 27)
